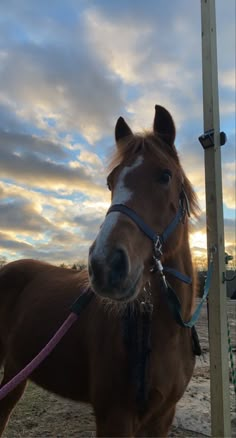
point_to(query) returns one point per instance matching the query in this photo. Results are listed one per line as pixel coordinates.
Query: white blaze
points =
(121, 195)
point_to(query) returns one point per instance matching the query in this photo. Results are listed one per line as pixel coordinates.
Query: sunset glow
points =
(67, 73)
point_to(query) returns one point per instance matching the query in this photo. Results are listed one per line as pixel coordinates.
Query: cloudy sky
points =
(68, 69)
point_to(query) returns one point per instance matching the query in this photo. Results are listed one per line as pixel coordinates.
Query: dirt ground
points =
(41, 414)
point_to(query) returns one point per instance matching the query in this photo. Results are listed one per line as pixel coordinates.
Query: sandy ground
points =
(40, 414)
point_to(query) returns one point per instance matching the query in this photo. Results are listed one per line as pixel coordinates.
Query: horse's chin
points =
(127, 293)
(131, 293)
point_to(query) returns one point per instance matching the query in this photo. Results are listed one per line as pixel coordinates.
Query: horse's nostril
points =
(110, 273)
(119, 267)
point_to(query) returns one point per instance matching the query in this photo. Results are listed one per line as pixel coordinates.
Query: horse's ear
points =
(122, 129)
(163, 125)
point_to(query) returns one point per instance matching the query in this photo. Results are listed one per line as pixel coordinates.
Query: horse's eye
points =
(165, 176)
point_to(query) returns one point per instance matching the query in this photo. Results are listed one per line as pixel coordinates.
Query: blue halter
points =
(158, 241)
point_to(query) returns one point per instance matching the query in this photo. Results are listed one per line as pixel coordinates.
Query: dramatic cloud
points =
(54, 81)
(67, 72)
(13, 245)
(18, 142)
(30, 169)
(22, 216)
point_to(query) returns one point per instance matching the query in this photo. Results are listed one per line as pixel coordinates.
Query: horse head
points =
(150, 196)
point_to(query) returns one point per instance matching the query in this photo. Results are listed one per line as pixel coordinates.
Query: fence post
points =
(211, 141)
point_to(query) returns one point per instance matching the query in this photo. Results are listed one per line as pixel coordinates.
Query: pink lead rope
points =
(23, 374)
(76, 308)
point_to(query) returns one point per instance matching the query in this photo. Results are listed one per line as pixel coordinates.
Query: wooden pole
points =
(219, 368)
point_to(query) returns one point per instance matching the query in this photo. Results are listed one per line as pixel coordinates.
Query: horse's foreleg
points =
(158, 426)
(114, 424)
(7, 404)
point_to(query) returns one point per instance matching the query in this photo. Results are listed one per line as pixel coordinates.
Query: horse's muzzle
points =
(110, 275)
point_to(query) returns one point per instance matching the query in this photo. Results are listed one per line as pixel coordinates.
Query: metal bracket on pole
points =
(207, 139)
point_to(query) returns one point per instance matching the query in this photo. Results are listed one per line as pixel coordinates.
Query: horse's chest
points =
(160, 375)
(169, 373)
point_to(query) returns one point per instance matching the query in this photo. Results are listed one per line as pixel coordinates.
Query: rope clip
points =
(158, 247)
(158, 267)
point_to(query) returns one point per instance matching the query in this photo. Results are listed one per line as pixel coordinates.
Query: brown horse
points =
(93, 362)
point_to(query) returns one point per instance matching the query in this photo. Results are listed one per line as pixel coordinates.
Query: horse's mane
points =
(153, 144)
